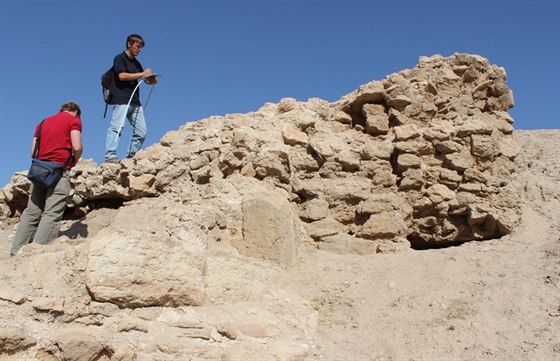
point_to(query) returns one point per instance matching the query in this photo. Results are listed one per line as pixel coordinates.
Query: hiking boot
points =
(112, 160)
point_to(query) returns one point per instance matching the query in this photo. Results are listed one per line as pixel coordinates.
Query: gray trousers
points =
(40, 221)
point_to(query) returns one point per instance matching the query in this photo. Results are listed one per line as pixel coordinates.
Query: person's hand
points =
(149, 79)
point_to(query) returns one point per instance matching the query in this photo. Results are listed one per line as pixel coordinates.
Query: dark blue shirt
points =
(123, 89)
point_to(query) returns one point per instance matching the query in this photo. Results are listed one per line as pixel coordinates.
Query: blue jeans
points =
(135, 116)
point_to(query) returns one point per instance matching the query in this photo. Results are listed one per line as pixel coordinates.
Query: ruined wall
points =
(423, 157)
(451, 149)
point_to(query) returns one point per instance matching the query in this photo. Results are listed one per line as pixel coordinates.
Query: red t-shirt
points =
(55, 144)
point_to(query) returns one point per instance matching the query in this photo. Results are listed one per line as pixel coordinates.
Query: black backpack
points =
(107, 81)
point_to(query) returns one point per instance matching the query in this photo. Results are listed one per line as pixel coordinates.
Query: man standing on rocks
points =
(127, 71)
(61, 142)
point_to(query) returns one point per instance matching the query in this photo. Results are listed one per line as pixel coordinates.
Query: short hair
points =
(134, 38)
(71, 107)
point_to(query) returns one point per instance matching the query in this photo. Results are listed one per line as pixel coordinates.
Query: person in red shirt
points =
(61, 142)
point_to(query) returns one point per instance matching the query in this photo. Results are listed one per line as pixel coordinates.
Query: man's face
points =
(134, 48)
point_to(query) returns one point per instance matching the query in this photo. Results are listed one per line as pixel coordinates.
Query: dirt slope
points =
(492, 300)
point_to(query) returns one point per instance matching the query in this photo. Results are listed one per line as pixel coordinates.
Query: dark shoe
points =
(112, 160)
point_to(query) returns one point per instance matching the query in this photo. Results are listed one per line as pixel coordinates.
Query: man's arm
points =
(123, 76)
(77, 149)
(33, 145)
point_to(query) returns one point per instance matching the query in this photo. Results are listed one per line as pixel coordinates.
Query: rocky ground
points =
(490, 300)
(493, 300)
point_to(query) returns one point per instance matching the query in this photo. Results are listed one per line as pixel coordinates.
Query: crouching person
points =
(60, 142)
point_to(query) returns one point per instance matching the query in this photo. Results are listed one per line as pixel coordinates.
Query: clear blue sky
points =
(221, 57)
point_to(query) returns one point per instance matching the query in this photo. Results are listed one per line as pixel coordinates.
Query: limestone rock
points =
(13, 339)
(399, 102)
(323, 228)
(314, 210)
(150, 271)
(49, 304)
(372, 93)
(294, 136)
(377, 121)
(270, 228)
(406, 161)
(405, 132)
(384, 225)
(78, 346)
(12, 295)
